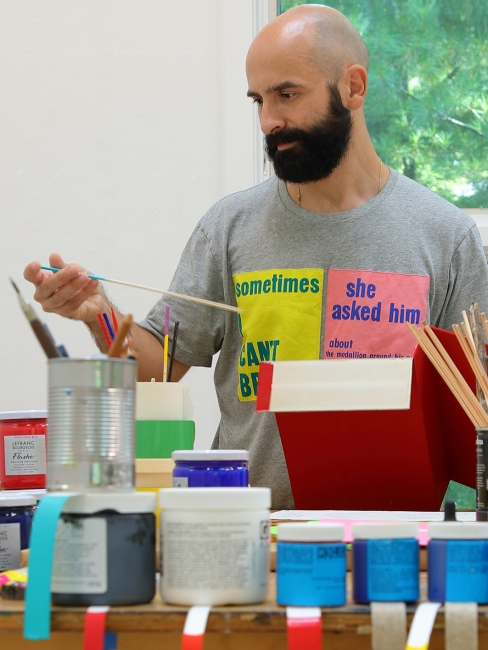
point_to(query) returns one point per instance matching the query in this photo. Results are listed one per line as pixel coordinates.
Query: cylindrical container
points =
(481, 475)
(385, 562)
(212, 468)
(105, 551)
(311, 565)
(457, 562)
(164, 419)
(23, 449)
(15, 524)
(91, 424)
(214, 545)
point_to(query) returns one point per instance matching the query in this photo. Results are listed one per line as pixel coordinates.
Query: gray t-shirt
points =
(313, 286)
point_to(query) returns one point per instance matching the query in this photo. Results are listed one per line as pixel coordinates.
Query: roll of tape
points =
(461, 626)
(195, 625)
(389, 623)
(422, 626)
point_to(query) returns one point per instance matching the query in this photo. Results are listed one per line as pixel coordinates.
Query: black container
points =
(106, 556)
(481, 474)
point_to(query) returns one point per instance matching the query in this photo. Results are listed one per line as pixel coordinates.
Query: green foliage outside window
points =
(427, 104)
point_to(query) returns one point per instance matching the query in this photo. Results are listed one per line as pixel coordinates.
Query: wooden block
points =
(154, 472)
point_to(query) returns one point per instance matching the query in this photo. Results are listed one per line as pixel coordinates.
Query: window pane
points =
(427, 104)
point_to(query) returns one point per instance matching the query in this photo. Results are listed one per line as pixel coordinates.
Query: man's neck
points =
(353, 183)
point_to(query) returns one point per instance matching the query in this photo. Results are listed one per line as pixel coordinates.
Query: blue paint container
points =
(311, 565)
(457, 557)
(385, 562)
(16, 513)
(212, 468)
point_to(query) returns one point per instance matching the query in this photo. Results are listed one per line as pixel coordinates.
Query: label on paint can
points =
(180, 481)
(25, 455)
(9, 546)
(467, 571)
(393, 569)
(80, 557)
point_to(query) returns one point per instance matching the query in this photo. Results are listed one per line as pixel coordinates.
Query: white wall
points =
(121, 123)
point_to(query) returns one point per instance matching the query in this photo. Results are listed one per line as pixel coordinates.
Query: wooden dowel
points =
(463, 384)
(442, 368)
(473, 360)
(118, 342)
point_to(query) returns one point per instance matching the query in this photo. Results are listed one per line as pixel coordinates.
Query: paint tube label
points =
(393, 569)
(25, 455)
(9, 546)
(80, 556)
(467, 571)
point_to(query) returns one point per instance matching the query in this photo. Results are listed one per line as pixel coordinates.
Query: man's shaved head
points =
(322, 34)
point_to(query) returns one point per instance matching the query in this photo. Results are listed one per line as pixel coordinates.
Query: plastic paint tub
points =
(214, 545)
(16, 515)
(457, 558)
(311, 565)
(212, 468)
(385, 562)
(23, 449)
(105, 552)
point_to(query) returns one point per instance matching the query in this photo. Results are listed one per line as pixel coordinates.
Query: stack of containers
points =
(107, 526)
(22, 473)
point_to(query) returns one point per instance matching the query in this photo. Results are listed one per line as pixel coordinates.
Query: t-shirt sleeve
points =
(201, 328)
(468, 280)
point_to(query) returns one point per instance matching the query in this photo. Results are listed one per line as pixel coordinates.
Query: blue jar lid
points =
(211, 454)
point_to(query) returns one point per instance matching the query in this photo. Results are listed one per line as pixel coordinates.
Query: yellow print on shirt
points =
(281, 320)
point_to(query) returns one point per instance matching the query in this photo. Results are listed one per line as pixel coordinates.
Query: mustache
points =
(285, 136)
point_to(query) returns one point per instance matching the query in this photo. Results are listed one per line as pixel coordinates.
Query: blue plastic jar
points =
(212, 468)
(385, 562)
(16, 513)
(457, 560)
(311, 565)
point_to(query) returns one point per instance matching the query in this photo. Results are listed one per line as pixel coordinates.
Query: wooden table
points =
(256, 627)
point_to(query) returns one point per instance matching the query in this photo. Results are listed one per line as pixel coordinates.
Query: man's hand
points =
(69, 292)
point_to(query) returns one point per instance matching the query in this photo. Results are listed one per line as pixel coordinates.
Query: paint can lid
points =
(23, 415)
(123, 502)
(303, 532)
(214, 498)
(16, 500)
(402, 530)
(210, 454)
(458, 530)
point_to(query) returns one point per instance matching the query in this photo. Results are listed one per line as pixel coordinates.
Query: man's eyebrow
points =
(276, 89)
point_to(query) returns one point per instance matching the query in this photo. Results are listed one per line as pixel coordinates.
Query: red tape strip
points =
(304, 633)
(192, 642)
(94, 631)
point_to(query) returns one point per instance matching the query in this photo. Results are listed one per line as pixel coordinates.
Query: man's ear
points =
(356, 82)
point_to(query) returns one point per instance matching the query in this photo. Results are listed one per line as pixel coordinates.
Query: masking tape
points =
(37, 617)
(461, 626)
(422, 626)
(94, 628)
(194, 629)
(389, 623)
(304, 628)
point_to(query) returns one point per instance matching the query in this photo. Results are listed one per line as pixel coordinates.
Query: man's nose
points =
(271, 119)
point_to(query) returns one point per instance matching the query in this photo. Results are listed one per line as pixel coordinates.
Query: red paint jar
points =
(23, 449)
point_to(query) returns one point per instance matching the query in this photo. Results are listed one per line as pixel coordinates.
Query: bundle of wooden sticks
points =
(471, 336)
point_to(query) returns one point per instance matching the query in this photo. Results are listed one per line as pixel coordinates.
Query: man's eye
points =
(258, 101)
(287, 95)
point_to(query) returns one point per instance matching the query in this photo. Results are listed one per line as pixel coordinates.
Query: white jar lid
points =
(302, 532)
(211, 454)
(215, 498)
(385, 531)
(123, 502)
(8, 501)
(35, 493)
(458, 530)
(23, 415)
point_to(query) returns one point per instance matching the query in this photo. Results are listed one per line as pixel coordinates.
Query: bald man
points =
(329, 259)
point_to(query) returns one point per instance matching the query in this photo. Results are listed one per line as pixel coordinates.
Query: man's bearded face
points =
(318, 150)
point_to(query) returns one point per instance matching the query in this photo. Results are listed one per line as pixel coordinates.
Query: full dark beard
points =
(317, 151)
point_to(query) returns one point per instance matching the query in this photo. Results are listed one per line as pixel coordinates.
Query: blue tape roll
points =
(37, 616)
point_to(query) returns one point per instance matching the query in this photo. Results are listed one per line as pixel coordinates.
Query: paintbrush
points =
(40, 330)
(210, 303)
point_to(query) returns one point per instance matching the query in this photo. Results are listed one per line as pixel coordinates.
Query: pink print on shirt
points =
(366, 313)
